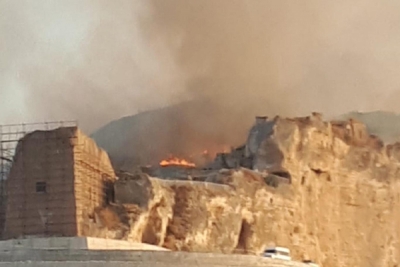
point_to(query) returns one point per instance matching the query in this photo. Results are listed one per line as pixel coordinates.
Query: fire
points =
(174, 161)
(197, 159)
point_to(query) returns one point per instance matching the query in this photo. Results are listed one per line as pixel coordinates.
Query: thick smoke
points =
(82, 60)
(266, 57)
(286, 57)
(99, 60)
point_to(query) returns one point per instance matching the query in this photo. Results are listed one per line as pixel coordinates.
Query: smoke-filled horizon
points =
(96, 61)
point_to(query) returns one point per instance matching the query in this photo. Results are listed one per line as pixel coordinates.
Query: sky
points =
(96, 60)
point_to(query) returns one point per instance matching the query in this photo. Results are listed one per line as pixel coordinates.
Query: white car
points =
(310, 263)
(277, 253)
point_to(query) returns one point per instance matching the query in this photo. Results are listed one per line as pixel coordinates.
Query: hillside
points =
(185, 130)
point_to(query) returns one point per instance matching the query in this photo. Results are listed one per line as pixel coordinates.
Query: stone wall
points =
(94, 178)
(43, 159)
(74, 243)
(57, 178)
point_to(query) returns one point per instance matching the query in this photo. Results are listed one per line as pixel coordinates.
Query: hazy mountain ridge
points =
(150, 136)
(181, 130)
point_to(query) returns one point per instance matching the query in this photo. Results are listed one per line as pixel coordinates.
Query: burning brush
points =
(175, 161)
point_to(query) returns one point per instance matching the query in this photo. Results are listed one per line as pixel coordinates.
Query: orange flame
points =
(174, 161)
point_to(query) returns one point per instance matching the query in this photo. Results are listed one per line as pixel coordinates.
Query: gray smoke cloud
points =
(285, 57)
(99, 60)
(82, 60)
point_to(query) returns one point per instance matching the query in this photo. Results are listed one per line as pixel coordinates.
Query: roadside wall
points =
(139, 259)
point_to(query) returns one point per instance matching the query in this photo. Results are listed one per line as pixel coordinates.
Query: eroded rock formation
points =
(340, 208)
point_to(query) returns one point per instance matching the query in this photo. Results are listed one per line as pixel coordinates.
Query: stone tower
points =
(57, 178)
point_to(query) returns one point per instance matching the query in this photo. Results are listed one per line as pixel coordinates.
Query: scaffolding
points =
(10, 135)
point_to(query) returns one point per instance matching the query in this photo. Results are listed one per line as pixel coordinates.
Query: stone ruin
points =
(57, 178)
(327, 190)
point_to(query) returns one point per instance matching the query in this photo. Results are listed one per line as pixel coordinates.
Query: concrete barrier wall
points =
(77, 258)
(73, 243)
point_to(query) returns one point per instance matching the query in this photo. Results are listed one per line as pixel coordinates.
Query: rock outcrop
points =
(339, 209)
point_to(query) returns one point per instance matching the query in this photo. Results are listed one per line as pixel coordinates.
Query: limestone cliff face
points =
(340, 209)
(345, 190)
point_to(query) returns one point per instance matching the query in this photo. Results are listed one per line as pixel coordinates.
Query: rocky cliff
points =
(340, 208)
